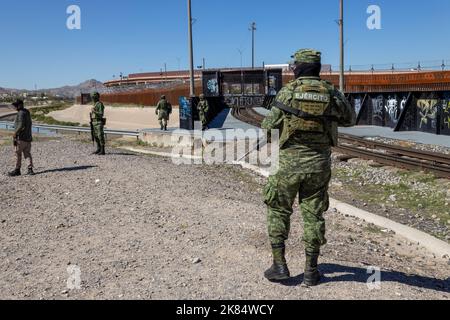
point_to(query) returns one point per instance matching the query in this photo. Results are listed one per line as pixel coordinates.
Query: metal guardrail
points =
(10, 125)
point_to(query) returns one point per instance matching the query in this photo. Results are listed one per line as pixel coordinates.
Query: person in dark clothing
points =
(22, 138)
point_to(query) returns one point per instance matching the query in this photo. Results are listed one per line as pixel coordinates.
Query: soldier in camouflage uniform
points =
(307, 111)
(163, 111)
(98, 123)
(203, 108)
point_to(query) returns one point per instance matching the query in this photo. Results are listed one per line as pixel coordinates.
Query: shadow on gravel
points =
(337, 273)
(69, 169)
(123, 154)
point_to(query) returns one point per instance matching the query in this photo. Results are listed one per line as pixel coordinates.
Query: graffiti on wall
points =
(446, 113)
(427, 113)
(392, 109)
(378, 109)
(358, 105)
(213, 86)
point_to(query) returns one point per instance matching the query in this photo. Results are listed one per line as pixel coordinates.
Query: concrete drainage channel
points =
(438, 247)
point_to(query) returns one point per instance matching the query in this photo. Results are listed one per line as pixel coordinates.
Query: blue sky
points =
(141, 35)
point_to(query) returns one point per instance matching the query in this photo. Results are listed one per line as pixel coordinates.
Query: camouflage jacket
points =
(164, 106)
(309, 151)
(98, 112)
(203, 107)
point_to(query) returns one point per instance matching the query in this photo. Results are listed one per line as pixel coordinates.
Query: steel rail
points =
(397, 156)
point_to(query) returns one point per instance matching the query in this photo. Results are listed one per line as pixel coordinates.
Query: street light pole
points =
(191, 52)
(341, 44)
(253, 29)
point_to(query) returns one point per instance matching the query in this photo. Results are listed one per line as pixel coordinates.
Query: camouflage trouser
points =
(203, 119)
(99, 133)
(280, 194)
(163, 117)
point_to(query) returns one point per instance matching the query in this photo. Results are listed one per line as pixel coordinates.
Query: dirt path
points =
(126, 118)
(142, 227)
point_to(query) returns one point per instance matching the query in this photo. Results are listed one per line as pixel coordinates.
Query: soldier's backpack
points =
(310, 104)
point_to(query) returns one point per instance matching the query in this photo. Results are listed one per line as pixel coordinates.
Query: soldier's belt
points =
(302, 114)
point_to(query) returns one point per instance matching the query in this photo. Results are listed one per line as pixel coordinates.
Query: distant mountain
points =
(73, 91)
(88, 86)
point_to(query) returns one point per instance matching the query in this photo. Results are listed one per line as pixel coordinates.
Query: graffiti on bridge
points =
(378, 110)
(427, 109)
(446, 113)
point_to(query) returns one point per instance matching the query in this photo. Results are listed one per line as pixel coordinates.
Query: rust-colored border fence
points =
(149, 97)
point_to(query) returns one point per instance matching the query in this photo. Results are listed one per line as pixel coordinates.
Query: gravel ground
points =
(140, 227)
(411, 144)
(412, 198)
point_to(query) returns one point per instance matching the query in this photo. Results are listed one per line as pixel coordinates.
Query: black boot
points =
(99, 149)
(279, 270)
(165, 127)
(30, 172)
(102, 151)
(312, 274)
(14, 173)
(277, 273)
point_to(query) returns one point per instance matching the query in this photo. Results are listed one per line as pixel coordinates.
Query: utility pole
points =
(191, 52)
(204, 64)
(165, 71)
(341, 40)
(253, 29)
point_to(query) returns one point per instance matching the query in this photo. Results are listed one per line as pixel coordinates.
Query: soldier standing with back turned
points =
(307, 111)
(97, 123)
(163, 111)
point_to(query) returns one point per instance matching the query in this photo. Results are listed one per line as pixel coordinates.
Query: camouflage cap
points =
(163, 97)
(95, 94)
(307, 56)
(202, 96)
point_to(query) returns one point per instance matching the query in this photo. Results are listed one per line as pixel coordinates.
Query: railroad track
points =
(385, 154)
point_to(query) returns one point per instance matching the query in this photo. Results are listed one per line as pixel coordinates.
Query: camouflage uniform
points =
(163, 111)
(305, 156)
(98, 122)
(203, 108)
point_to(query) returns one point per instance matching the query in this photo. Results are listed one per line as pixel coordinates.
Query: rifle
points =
(92, 130)
(260, 144)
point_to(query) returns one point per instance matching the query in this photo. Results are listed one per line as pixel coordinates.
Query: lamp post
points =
(191, 52)
(253, 29)
(341, 44)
